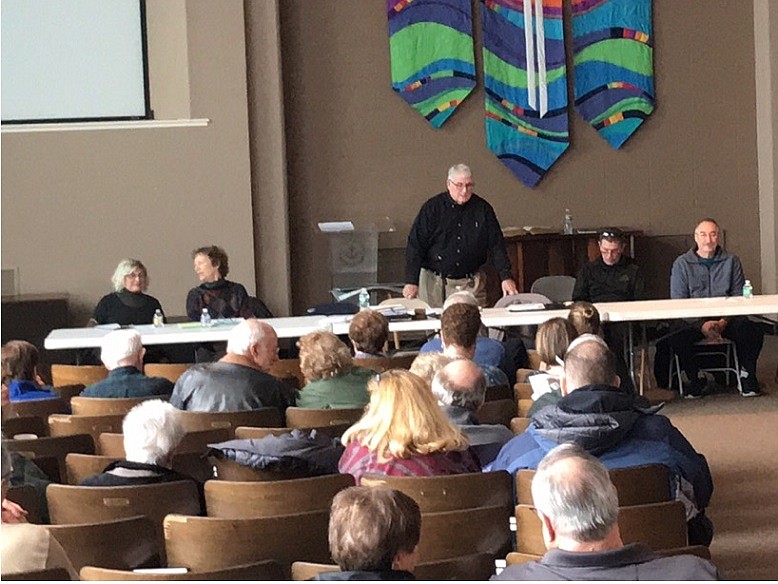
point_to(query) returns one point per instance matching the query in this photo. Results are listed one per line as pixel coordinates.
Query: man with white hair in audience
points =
(579, 511)
(122, 353)
(239, 380)
(460, 388)
(151, 432)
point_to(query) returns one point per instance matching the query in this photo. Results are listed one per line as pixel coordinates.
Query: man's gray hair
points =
(125, 268)
(578, 496)
(461, 383)
(152, 431)
(460, 297)
(245, 335)
(459, 169)
(589, 362)
(120, 345)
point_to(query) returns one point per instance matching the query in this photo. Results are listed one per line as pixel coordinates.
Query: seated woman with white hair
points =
(128, 303)
(152, 432)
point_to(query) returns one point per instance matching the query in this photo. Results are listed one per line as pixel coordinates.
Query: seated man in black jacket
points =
(374, 534)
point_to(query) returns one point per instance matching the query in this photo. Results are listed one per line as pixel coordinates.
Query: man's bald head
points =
(461, 383)
(256, 341)
(589, 363)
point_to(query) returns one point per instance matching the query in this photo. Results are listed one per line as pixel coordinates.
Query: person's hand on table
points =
(509, 287)
(410, 291)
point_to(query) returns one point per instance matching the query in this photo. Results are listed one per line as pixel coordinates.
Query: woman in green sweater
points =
(332, 380)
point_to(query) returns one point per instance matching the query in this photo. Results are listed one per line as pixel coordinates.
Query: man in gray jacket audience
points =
(579, 509)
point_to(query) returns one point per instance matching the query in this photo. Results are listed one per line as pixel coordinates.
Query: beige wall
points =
(75, 202)
(355, 148)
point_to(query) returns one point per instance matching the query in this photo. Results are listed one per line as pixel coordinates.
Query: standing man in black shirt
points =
(450, 240)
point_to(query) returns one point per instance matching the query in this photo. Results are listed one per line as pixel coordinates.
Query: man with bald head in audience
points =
(239, 380)
(619, 428)
(460, 388)
(579, 510)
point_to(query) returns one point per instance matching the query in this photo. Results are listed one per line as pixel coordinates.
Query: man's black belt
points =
(452, 277)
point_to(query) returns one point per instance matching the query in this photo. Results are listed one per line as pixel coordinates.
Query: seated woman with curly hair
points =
(333, 381)
(404, 432)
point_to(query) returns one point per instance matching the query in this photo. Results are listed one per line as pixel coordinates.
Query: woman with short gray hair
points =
(128, 303)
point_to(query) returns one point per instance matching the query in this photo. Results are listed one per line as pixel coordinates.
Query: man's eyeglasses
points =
(461, 186)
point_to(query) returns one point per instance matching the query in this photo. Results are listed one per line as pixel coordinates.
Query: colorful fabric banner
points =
(614, 65)
(525, 85)
(432, 55)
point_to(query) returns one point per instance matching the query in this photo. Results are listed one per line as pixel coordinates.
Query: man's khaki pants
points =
(431, 287)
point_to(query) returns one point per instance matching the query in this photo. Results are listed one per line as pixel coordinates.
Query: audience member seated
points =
(128, 303)
(403, 432)
(551, 343)
(239, 380)
(585, 317)
(426, 365)
(222, 298)
(460, 388)
(26, 547)
(20, 372)
(369, 332)
(578, 507)
(332, 380)
(618, 428)
(374, 534)
(122, 354)
(459, 326)
(151, 433)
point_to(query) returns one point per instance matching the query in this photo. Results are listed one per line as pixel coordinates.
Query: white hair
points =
(459, 169)
(584, 338)
(152, 431)
(451, 386)
(578, 498)
(125, 268)
(246, 335)
(460, 297)
(120, 345)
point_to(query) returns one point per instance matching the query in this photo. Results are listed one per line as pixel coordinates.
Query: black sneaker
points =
(750, 385)
(694, 389)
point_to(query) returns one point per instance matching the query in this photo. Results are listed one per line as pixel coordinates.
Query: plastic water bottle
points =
(364, 299)
(568, 223)
(748, 290)
(205, 318)
(158, 320)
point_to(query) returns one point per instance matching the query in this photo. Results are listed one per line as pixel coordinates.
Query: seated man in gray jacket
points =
(239, 380)
(579, 509)
(122, 353)
(460, 388)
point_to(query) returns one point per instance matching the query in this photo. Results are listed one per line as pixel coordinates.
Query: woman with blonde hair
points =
(551, 342)
(128, 303)
(404, 432)
(332, 379)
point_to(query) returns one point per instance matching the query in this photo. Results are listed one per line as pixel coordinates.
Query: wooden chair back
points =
(71, 374)
(106, 406)
(334, 430)
(35, 408)
(47, 575)
(533, 360)
(124, 544)
(523, 407)
(81, 466)
(519, 425)
(112, 444)
(73, 504)
(498, 392)
(170, 371)
(635, 485)
(478, 567)
(30, 500)
(522, 390)
(266, 498)
(258, 571)
(514, 558)
(500, 411)
(26, 425)
(199, 421)
(452, 492)
(701, 551)
(381, 364)
(453, 534)
(211, 543)
(658, 525)
(229, 470)
(522, 374)
(52, 449)
(67, 425)
(310, 418)
(286, 368)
